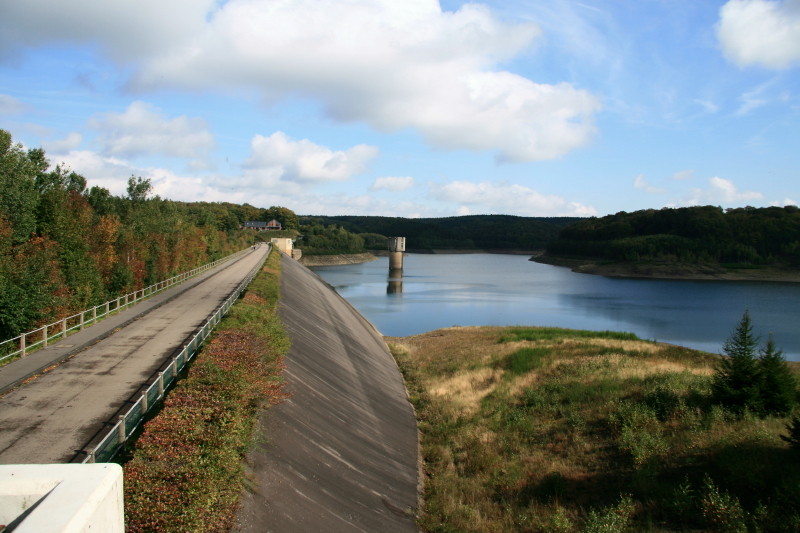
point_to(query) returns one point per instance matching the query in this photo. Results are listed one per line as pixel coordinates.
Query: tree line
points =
(65, 247)
(474, 232)
(706, 234)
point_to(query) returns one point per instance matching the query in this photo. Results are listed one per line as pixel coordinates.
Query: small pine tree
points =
(793, 438)
(777, 384)
(736, 380)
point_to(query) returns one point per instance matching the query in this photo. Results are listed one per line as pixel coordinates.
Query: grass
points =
(554, 430)
(185, 472)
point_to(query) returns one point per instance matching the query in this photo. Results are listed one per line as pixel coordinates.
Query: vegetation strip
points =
(553, 430)
(185, 472)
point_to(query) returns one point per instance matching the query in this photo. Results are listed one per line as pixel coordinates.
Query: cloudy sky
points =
(414, 107)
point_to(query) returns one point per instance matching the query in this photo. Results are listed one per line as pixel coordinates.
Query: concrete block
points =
(62, 498)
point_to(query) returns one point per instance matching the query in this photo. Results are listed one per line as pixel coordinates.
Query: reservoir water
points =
(437, 291)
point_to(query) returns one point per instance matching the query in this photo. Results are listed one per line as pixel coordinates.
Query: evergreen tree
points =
(736, 380)
(777, 384)
(793, 438)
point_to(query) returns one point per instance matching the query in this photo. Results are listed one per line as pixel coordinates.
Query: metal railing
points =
(127, 423)
(58, 330)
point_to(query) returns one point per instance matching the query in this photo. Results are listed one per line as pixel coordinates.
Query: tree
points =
(139, 188)
(284, 215)
(736, 380)
(777, 384)
(19, 198)
(793, 438)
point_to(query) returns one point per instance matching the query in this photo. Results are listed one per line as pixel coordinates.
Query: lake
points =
(437, 291)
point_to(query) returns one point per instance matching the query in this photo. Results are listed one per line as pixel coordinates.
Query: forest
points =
(475, 232)
(740, 237)
(65, 247)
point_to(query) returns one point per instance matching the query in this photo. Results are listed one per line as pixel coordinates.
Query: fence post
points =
(121, 430)
(22, 344)
(175, 368)
(160, 384)
(82, 320)
(94, 315)
(90, 457)
(64, 328)
(44, 336)
(107, 311)
(144, 402)
(126, 301)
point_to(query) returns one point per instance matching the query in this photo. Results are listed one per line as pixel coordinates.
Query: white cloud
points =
(760, 32)
(143, 129)
(683, 175)
(281, 157)
(392, 183)
(708, 105)
(127, 30)
(67, 144)
(783, 203)
(10, 105)
(489, 197)
(720, 191)
(640, 182)
(391, 64)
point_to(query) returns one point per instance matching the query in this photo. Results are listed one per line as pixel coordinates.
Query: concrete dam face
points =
(341, 454)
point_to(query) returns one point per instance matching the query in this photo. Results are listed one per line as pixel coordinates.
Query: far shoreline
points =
(672, 271)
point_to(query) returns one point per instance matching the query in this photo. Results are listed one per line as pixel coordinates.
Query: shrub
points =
(615, 519)
(722, 512)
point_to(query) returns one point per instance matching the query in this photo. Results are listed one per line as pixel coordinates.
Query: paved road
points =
(341, 455)
(50, 418)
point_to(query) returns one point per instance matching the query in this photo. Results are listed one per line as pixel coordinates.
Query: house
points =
(257, 225)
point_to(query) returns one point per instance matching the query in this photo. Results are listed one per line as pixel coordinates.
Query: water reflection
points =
(395, 282)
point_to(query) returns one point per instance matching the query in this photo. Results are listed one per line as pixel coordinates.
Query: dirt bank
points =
(332, 260)
(673, 271)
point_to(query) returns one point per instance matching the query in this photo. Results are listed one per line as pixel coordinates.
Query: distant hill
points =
(473, 232)
(739, 238)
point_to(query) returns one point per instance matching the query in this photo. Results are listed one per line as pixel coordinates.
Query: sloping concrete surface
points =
(52, 418)
(341, 454)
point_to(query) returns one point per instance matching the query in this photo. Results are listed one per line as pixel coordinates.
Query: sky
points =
(414, 108)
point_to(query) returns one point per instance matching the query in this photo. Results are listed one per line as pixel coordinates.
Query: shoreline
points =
(336, 259)
(672, 271)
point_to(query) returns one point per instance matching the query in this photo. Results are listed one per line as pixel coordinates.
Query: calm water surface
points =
(438, 291)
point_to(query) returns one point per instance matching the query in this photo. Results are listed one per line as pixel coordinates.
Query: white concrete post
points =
(44, 336)
(121, 429)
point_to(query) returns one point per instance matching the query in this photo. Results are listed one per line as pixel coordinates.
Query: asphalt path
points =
(341, 454)
(52, 417)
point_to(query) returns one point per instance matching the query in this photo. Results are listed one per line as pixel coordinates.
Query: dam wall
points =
(341, 453)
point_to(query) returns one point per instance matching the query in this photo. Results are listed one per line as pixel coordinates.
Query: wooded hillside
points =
(708, 234)
(65, 247)
(475, 232)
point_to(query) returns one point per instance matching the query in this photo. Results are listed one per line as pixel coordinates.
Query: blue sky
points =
(414, 108)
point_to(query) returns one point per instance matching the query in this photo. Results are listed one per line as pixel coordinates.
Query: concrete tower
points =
(397, 245)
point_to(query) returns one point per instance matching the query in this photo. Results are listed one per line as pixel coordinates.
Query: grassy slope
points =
(539, 429)
(186, 472)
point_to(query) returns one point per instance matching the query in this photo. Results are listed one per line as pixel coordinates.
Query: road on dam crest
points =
(341, 454)
(51, 418)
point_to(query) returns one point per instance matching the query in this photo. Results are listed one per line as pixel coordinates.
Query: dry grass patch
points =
(545, 430)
